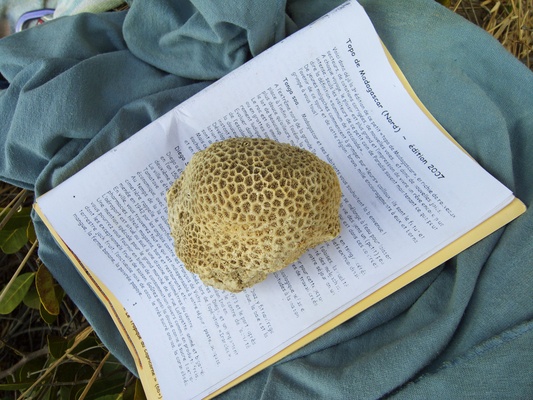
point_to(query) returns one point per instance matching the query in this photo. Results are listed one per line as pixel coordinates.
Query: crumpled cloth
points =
(77, 86)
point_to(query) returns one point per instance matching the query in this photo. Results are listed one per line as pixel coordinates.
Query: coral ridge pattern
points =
(245, 207)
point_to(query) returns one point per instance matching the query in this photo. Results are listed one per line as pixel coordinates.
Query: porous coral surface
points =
(243, 208)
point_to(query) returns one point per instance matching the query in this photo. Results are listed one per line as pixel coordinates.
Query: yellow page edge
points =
(493, 223)
(506, 215)
(118, 314)
(136, 346)
(142, 360)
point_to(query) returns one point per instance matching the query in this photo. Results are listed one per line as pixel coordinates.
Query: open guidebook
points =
(411, 199)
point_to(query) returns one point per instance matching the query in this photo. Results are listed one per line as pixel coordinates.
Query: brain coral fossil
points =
(244, 207)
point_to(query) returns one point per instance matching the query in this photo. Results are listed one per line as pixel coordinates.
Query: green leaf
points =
(14, 235)
(87, 344)
(16, 292)
(19, 219)
(139, 391)
(112, 366)
(31, 300)
(6, 387)
(106, 388)
(44, 282)
(118, 396)
(66, 392)
(30, 232)
(57, 346)
(47, 394)
(60, 293)
(110, 397)
(31, 370)
(73, 371)
(133, 391)
(12, 241)
(129, 391)
(46, 316)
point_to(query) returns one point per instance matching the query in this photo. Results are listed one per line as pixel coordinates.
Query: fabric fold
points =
(213, 40)
(77, 86)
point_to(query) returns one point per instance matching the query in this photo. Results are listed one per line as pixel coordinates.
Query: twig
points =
(94, 377)
(79, 338)
(13, 206)
(25, 358)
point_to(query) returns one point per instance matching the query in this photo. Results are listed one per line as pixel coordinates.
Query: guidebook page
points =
(407, 191)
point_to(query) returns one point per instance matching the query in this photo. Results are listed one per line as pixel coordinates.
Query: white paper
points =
(407, 191)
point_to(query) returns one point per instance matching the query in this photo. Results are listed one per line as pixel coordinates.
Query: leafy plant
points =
(47, 348)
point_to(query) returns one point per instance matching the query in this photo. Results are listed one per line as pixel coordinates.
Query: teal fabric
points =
(214, 39)
(77, 86)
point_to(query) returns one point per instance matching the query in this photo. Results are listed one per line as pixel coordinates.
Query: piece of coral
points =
(243, 208)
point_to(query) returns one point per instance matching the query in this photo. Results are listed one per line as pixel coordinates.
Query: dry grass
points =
(509, 21)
